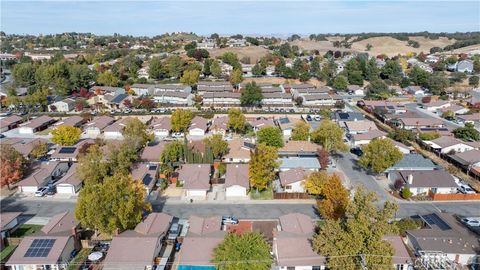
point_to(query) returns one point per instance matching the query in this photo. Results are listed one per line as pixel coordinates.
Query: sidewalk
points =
(233, 202)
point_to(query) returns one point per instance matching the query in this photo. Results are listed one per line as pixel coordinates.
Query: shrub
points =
(406, 193)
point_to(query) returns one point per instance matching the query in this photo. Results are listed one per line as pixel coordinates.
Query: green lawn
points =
(26, 230)
(5, 253)
(266, 194)
(81, 256)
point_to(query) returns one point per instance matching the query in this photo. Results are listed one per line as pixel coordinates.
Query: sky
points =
(264, 17)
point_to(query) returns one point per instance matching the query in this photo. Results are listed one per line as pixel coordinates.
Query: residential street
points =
(45, 207)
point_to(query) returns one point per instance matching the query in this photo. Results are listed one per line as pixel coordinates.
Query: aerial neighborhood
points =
(183, 151)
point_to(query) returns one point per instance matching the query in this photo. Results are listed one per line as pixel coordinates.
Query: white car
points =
(317, 118)
(177, 135)
(473, 222)
(466, 189)
(41, 192)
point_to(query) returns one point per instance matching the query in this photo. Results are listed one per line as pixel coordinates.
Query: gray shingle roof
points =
(413, 161)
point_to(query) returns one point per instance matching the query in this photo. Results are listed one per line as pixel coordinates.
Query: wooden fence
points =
(290, 196)
(455, 197)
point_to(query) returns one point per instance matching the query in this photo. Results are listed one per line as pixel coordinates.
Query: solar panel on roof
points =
(67, 150)
(433, 219)
(249, 145)
(40, 248)
(152, 167)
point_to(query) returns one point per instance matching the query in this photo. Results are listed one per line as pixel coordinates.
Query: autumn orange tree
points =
(13, 165)
(332, 195)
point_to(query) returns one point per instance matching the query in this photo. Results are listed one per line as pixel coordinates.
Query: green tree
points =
(216, 69)
(217, 145)
(262, 165)
(379, 155)
(419, 76)
(172, 152)
(207, 67)
(92, 168)
(467, 133)
(190, 77)
(231, 58)
(155, 69)
(406, 193)
(360, 231)
(402, 135)
(115, 204)
(333, 196)
(122, 156)
(107, 78)
(448, 114)
(473, 81)
(80, 76)
(378, 89)
(173, 66)
(392, 71)
(243, 252)
(251, 95)
(340, 83)
(428, 136)
(180, 120)
(270, 136)
(24, 74)
(301, 131)
(66, 135)
(135, 133)
(236, 77)
(437, 84)
(39, 150)
(236, 120)
(330, 136)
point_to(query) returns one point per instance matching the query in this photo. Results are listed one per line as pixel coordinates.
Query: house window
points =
(316, 268)
(288, 187)
(291, 268)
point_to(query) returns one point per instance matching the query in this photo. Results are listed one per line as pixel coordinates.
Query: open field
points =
(391, 46)
(321, 46)
(254, 52)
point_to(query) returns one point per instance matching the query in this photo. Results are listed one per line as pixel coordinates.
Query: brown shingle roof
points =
(154, 223)
(200, 226)
(429, 179)
(152, 153)
(297, 223)
(7, 217)
(195, 176)
(300, 146)
(198, 251)
(63, 223)
(237, 174)
(293, 175)
(198, 122)
(71, 177)
(161, 123)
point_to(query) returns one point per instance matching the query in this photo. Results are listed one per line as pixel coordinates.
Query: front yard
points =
(6, 252)
(79, 259)
(266, 194)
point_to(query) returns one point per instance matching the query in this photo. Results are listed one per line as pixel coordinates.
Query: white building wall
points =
(457, 148)
(235, 191)
(197, 132)
(295, 187)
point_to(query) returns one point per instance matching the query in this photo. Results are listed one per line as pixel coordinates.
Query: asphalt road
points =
(414, 107)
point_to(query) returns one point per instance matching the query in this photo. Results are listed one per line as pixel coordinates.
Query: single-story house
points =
(410, 123)
(356, 90)
(425, 182)
(261, 122)
(401, 258)
(23, 145)
(456, 109)
(8, 223)
(449, 144)
(239, 151)
(365, 138)
(147, 174)
(198, 126)
(321, 99)
(41, 175)
(70, 183)
(96, 126)
(411, 162)
(221, 99)
(347, 116)
(293, 180)
(444, 236)
(65, 105)
(152, 152)
(358, 127)
(174, 98)
(138, 249)
(383, 106)
(203, 236)
(195, 179)
(299, 149)
(50, 248)
(115, 130)
(70, 153)
(10, 122)
(402, 147)
(469, 118)
(436, 105)
(286, 124)
(161, 126)
(36, 124)
(220, 125)
(73, 121)
(465, 66)
(236, 181)
(469, 160)
(276, 99)
(308, 163)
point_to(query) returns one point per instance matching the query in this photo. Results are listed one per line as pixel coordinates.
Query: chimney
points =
(410, 179)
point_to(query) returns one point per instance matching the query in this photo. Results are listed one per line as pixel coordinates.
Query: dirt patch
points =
(253, 52)
(241, 227)
(321, 46)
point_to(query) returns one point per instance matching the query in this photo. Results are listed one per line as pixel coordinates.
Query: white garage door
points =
(196, 193)
(67, 189)
(236, 191)
(197, 132)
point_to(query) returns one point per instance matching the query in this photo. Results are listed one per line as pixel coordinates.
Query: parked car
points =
(356, 151)
(317, 117)
(309, 117)
(174, 231)
(177, 135)
(473, 222)
(41, 192)
(466, 189)
(229, 220)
